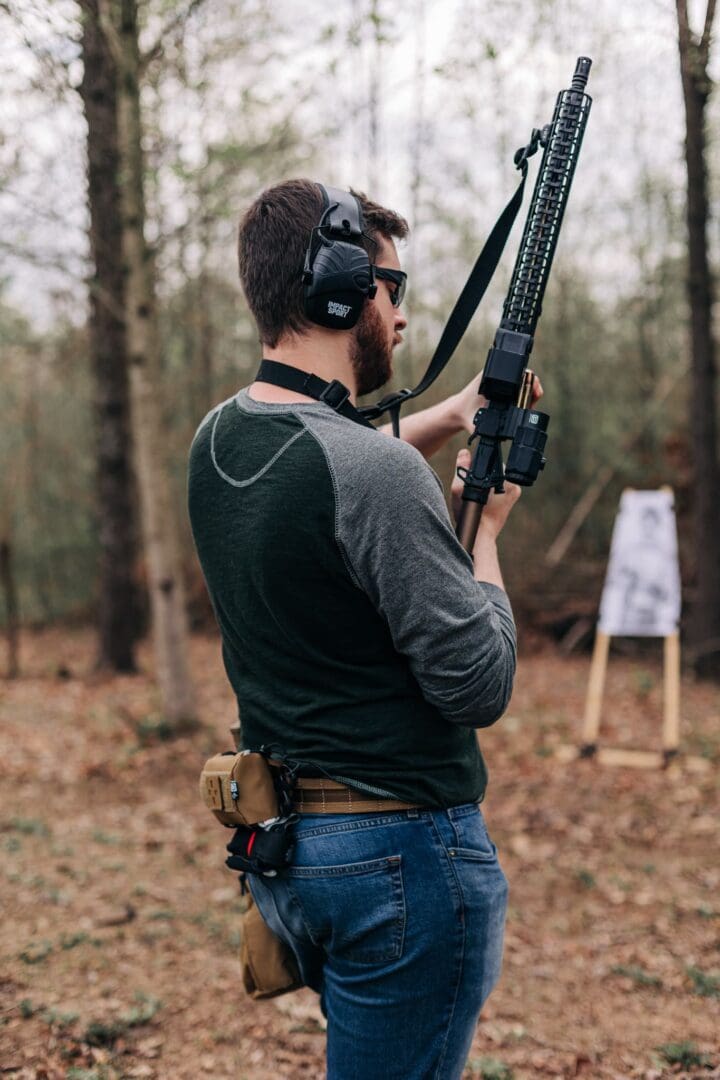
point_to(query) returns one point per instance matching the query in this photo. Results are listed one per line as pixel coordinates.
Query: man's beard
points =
(370, 352)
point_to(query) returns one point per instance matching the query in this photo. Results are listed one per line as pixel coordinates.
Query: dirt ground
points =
(120, 924)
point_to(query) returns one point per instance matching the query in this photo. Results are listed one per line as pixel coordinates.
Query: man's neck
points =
(322, 353)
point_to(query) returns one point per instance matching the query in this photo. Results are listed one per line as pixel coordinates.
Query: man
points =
(362, 641)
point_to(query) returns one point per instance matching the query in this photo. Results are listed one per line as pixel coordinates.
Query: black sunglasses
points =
(398, 278)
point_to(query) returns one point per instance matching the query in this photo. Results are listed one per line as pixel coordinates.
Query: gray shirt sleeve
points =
(457, 633)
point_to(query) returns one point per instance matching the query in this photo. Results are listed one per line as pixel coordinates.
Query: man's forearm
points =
(430, 429)
(485, 558)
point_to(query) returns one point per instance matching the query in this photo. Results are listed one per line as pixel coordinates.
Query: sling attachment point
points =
(335, 394)
(392, 403)
(538, 138)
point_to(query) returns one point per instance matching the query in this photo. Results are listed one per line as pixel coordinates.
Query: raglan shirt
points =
(354, 633)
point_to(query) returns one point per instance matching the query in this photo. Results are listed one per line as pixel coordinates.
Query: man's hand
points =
(494, 516)
(498, 507)
(430, 429)
(468, 401)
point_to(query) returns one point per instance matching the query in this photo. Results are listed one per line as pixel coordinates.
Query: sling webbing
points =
(335, 394)
(465, 307)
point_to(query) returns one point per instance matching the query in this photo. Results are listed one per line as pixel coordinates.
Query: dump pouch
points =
(268, 965)
(239, 788)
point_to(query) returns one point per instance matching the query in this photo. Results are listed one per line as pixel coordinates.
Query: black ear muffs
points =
(338, 275)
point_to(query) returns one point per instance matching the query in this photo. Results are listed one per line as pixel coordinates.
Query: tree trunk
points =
(704, 626)
(12, 622)
(160, 531)
(205, 340)
(375, 97)
(119, 610)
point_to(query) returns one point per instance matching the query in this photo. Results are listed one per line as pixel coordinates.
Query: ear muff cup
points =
(338, 276)
(341, 283)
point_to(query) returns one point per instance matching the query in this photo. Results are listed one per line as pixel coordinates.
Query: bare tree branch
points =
(43, 262)
(111, 35)
(707, 30)
(156, 50)
(53, 68)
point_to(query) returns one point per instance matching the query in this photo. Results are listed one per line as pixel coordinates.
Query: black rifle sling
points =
(336, 395)
(465, 307)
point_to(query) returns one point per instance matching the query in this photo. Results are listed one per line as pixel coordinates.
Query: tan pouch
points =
(239, 788)
(268, 965)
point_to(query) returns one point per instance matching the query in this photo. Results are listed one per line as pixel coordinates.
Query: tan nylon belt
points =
(328, 797)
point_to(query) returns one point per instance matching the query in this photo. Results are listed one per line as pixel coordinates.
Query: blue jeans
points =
(396, 919)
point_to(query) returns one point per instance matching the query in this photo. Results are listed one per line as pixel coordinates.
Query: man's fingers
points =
(512, 492)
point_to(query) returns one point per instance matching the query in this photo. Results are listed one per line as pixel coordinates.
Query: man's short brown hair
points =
(273, 238)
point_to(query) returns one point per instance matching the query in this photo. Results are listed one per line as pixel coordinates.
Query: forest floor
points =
(120, 925)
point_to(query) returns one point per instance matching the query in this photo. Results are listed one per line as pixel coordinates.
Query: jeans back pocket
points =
(355, 911)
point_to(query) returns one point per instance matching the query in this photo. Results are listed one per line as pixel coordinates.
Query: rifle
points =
(507, 381)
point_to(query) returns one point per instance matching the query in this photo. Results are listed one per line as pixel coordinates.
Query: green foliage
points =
(76, 1072)
(544, 751)
(644, 682)
(109, 839)
(30, 826)
(71, 941)
(489, 1068)
(107, 1032)
(155, 728)
(585, 878)
(103, 1033)
(145, 1010)
(57, 1019)
(46, 467)
(36, 952)
(703, 983)
(685, 1054)
(638, 975)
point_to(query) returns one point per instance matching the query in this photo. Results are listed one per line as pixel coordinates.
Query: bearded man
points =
(362, 641)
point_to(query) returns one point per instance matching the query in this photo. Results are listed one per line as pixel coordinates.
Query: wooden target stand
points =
(642, 759)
